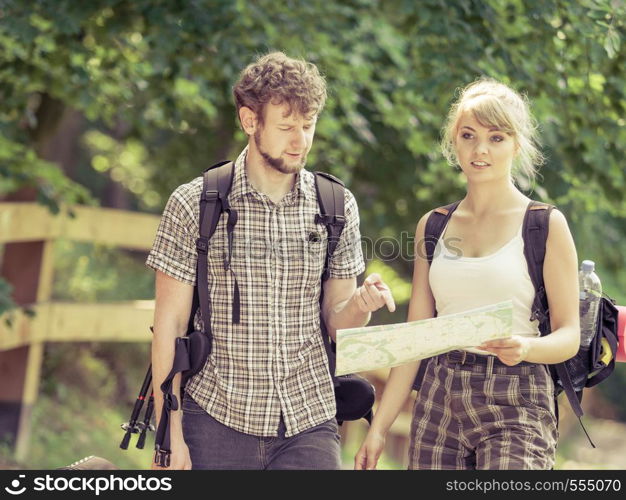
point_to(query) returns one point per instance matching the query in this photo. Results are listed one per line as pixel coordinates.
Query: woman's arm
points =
(560, 275)
(400, 381)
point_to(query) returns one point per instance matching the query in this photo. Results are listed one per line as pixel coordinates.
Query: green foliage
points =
(80, 429)
(8, 307)
(126, 163)
(6, 302)
(83, 403)
(93, 273)
(166, 70)
(20, 167)
(613, 390)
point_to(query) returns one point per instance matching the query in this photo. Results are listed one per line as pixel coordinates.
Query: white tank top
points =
(462, 283)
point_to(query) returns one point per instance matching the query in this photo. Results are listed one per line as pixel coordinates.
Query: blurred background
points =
(111, 104)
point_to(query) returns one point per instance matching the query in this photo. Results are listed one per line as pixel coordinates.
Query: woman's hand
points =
(510, 351)
(369, 453)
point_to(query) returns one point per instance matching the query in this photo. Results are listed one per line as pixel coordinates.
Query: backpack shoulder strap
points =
(535, 234)
(331, 200)
(435, 224)
(535, 230)
(217, 181)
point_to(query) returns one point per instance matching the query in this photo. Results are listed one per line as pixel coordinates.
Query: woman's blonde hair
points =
(494, 104)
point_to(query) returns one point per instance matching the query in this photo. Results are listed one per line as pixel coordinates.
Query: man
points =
(264, 399)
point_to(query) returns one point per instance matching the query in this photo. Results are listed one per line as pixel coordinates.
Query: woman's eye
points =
(497, 138)
(466, 135)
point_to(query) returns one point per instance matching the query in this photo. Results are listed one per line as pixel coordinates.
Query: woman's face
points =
(484, 153)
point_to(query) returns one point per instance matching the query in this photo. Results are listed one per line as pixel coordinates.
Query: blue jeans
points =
(212, 445)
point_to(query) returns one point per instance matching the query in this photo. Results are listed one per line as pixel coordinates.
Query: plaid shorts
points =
(475, 412)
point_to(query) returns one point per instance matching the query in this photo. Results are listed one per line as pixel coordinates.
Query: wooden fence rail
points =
(24, 221)
(72, 322)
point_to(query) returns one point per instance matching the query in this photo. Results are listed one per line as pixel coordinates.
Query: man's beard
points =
(277, 163)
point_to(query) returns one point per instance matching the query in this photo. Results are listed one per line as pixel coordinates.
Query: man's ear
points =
(248, 119)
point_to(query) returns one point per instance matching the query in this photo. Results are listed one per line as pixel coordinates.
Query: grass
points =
(67, 430)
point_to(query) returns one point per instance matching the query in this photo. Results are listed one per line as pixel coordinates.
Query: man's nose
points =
(298, 139)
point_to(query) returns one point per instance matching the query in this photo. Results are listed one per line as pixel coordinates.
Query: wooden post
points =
(12, 372)
(28, 266)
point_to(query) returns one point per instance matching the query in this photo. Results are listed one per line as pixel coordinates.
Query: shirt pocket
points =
(315, 245)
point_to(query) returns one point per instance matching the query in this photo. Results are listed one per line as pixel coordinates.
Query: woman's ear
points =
(248, 120)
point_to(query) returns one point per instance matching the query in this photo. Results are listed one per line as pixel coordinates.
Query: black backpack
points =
(589, 366)
(354, 395)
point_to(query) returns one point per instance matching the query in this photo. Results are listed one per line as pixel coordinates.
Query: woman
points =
(491, 407)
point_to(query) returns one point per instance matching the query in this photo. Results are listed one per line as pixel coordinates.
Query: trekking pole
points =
(131, 426)
(146, 425)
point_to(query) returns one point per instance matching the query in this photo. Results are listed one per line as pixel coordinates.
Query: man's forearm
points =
(162, 361)
(346, 314)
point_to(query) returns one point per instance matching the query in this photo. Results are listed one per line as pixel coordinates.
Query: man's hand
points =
(374, 294)
(510, 351)
(179, 458)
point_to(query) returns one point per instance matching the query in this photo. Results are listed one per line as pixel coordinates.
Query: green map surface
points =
(383, 346)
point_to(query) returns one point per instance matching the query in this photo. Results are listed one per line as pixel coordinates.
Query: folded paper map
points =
(383, 346)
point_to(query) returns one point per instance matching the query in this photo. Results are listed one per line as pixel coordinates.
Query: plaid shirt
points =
(273, 362)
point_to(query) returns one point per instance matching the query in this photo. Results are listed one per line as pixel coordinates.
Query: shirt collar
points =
(304, 185)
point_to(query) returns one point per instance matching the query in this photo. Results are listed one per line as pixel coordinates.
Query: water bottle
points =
(590, 294)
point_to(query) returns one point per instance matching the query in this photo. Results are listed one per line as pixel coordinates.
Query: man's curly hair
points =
(279, 79)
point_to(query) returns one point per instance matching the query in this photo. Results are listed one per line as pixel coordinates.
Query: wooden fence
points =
(28, 232)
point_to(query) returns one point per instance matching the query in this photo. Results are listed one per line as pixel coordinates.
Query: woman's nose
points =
(481, 147)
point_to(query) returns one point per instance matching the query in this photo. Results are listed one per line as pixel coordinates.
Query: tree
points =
(153, 79)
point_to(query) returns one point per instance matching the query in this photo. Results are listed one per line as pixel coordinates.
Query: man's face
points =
(283, 140)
